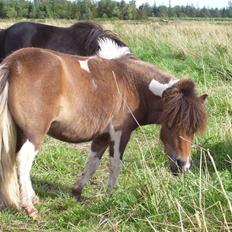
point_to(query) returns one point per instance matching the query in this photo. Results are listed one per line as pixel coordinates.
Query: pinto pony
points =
(79, 39)
(102, 98)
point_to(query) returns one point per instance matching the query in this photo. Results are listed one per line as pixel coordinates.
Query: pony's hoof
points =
(77, 194)
(109, 191)
(35, 199)
(32, 212)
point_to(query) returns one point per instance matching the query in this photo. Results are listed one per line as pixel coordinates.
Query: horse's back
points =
(19, 36)
(80, 38)
(27, 34)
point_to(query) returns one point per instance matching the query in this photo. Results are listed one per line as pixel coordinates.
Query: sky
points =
(197, 3)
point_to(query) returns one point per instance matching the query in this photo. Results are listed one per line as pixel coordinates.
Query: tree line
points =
(90, 9)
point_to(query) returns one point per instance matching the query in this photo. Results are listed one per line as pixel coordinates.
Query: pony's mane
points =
(109, 49)
(92, 33)
(182, 109)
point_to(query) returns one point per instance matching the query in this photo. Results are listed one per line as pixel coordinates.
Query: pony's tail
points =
(9, 188)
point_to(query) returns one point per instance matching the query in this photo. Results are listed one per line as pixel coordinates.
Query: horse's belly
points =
(82, 116)
(77, 130)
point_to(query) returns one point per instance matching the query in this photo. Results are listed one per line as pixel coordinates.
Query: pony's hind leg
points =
(24, 159)
(98, 147)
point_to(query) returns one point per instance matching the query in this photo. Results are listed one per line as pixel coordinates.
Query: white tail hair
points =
(109, 49)
(9, 187)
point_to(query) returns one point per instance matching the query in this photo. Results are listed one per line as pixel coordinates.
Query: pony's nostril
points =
(180, 166)
(185, 165)
(180, 163)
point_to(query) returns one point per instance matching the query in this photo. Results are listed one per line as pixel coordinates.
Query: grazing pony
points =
(79, 39)
(102, 98)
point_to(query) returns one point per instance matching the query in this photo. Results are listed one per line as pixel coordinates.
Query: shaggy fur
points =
(183, 109)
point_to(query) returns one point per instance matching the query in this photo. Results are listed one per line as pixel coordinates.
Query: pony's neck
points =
(138, 76)
(143, 73)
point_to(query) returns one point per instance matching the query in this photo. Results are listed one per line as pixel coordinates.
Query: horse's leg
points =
(118, 144)
(98, 147)
(28, 143)
(24, 159)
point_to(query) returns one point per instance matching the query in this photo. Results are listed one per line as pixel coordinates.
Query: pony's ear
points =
(203, 97)
(186, 87)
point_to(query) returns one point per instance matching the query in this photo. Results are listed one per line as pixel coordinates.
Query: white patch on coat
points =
(109, 49)
(94, 84)
(158, 88)
(115, 162)
(84, 65)
(25, 158)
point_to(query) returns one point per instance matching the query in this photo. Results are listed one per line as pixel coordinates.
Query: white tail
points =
(9, 188)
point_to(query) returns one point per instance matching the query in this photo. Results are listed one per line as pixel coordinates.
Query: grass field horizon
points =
(148, 197)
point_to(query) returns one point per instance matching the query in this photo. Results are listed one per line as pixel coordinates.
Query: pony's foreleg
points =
(25, 158)
(118, 144)
(98, 147)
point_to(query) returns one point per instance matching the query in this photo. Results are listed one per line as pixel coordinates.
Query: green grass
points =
(148, 197)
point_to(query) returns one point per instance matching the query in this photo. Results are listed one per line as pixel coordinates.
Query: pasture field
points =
(148, 197)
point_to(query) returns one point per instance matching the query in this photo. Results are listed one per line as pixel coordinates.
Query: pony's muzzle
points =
(180, 166)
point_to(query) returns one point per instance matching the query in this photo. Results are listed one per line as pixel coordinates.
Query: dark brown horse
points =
(102, 98)
(79, 39)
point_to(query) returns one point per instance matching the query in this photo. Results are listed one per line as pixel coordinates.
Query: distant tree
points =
(11, 12)
(106, 7)
(205, 12)
(229, 12)
(123, 10)
(2, 10)
(230, 4)
(89, 9)
(224, 12)
(116, 12)
(163, 11)
(132, 11)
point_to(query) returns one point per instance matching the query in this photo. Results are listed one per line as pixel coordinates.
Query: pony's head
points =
(183, 115)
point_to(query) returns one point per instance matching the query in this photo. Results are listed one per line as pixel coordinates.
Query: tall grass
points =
(148, 197)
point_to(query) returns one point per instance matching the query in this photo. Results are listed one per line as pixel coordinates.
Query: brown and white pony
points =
(102, 98)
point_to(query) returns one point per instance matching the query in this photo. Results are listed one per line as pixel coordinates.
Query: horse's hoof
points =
(32, 213)
(109, 191)
(81, 199)
(35, 199)
(77, 194)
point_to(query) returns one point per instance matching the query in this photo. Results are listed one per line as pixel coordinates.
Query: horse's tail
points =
(9, 188)
(2, 43)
